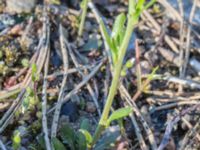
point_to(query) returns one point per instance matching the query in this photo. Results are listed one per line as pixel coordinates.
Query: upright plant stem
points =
(83, 16)
(131, 22)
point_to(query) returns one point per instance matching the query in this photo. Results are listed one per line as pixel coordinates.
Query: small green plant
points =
(34, 75)
(70, 139)
(82, 139)
(28, 100)
(25, 62)
(118, 43)
(16, 140)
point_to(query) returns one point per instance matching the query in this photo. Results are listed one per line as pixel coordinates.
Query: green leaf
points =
(140, 5)
(105, 33)
(150, 77)
(40, 141)
(85, 124)
(118, 31)
(118, 27)
(35, 76)
(57, 144)
(120, 113)
(16, 140)
(123, 72)
(81, 141)
(68, 135)
(34, 68)
(87, 135)
(107, 38)
(130, 63)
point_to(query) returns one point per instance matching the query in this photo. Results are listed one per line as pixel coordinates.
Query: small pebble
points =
(70, 109)
(90, 107)
(56, 60)
(20, 6)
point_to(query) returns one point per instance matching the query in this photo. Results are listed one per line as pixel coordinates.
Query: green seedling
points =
(16, 140)
(150, 77)
(82, 139)
(30, 100)
(34, 74)
(129, 64)
(25, 62)
(118, 43)
(70, 139)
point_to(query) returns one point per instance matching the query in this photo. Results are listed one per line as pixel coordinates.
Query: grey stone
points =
(20, 6)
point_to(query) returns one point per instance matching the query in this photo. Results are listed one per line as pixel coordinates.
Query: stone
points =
(70, 109)
(20, 6)
(90, 107)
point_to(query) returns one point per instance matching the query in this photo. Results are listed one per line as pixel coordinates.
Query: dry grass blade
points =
(138, 66)
(60, 97)
(171, 124)
(147, 129)
(44, 104)
(91, 91)
(187, 52)
(140, 138)
(81, 84)
(2, 146)
(191, 133)
(9, 113)
(181, 37)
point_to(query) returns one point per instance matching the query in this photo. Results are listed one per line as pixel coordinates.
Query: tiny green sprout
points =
(34, 75)
(16, 140)
(151, 76)
(123, 72)
(25, 62)
(156, 9)
(1, 54)
(28, 100)
(128, 65)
